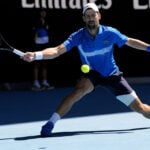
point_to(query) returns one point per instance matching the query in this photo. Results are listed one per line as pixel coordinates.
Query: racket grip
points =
(18, 52)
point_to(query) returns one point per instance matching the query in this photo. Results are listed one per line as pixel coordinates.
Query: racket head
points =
(4, 45)
(8, 47)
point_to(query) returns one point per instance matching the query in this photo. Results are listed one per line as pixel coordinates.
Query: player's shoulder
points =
(78, 33)
(108, 28)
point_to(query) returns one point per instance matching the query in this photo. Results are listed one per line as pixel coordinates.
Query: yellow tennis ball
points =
(85, 68)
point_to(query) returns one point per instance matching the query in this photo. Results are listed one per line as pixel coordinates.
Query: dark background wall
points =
(16, 25)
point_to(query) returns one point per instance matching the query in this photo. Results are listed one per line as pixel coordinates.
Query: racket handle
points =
(18, 52)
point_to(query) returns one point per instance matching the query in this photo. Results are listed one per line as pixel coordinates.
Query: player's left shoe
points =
(46, 130)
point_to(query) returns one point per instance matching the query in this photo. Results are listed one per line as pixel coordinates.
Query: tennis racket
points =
(5, 46)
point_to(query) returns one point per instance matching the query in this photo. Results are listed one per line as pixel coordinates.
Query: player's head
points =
(91, 15)
(92, 6)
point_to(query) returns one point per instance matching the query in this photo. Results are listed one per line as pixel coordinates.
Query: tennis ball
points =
(85, 68)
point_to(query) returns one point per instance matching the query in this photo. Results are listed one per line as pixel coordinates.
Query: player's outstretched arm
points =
(48, 53)
(138, 44)
(54, 52)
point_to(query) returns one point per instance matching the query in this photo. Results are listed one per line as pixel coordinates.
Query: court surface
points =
(98, 122)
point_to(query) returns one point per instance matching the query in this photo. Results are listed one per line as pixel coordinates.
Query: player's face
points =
(91, 19)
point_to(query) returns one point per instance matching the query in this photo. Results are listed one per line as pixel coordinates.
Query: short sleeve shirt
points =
(97, 51)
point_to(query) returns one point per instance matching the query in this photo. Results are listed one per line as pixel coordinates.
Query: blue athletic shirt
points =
(97, 51)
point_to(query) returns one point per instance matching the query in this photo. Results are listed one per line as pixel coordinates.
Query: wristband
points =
(148, 48)
(38, 55)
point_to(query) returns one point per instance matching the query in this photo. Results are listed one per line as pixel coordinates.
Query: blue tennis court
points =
(97, 122)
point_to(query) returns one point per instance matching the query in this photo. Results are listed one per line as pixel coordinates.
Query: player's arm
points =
(48, 53)
(138, 44)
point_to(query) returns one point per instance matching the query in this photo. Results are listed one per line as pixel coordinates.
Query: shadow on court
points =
(75, 133)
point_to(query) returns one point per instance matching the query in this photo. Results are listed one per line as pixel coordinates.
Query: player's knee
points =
(84, 87)
(83, 90)
(127, 99)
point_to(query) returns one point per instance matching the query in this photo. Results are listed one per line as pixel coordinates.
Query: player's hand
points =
(28, 56)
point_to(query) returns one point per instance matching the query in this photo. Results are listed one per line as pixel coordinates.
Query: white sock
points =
(55, 117)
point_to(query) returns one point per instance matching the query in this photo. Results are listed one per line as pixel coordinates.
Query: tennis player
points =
(95, 43)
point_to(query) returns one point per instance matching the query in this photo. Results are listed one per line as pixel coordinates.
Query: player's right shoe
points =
(46, 130)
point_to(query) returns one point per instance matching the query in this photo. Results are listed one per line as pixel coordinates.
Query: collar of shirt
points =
(91, 37)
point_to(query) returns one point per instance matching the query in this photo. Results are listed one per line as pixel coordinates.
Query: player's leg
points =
(125, 93)
(138, 106)
(83, 87)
